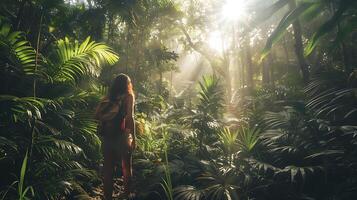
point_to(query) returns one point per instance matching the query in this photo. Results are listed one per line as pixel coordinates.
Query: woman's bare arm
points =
(129, 118)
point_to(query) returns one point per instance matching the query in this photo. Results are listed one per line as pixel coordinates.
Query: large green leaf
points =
(188, 192)
(331, 95)
(25, 108)
(327, 27)
(76, 60)
(266, 13)
(210, 95)
(19, 52)
(289, 18)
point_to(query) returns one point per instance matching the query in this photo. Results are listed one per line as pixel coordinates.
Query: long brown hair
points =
(121, 85)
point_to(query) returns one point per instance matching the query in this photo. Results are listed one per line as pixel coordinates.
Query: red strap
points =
(122, 125)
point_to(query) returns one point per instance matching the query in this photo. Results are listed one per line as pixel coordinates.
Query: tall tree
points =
(344, 14)
(299, 48)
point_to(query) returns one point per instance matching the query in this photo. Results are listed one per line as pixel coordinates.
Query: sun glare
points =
(231, 11)
(215, 41)
(234, 9)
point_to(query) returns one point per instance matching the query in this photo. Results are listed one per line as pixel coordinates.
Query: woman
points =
(118, 132)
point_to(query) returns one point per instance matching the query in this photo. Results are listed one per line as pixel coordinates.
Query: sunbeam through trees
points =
(178, 99)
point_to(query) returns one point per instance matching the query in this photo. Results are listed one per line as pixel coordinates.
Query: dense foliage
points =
(271, 113)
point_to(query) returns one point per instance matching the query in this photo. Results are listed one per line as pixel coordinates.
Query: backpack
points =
(110, 115)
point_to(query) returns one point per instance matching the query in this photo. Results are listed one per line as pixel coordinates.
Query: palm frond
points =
(54, 179)
(329, 25)
(247, 138)
(228, 141)
(76, 60)
(296, 172)
(21, 56)
(59, 144)
(288, 19)
(188, 192)
(24, 108)
(332, 94)
(266, 13)
(221, 183)
(262, 166)
(210, 95)
(325, 153)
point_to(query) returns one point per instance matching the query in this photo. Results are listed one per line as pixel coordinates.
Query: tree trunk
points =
(227, 76)
(249, 66)
(127, 49)
(286, 52)
(344, 49)
(90, 4)
(237, 82)
(271, 68)
(265, 72)
(110, 28)
(19, 15)
(242, 71)
(299, 48)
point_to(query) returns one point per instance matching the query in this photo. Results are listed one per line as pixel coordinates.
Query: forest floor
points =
(118, 193)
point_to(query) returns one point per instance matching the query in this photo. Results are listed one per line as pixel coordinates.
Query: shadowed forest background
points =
(235, 100)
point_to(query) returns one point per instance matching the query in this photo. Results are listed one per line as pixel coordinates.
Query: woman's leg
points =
(108, 174)
(127, 171)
